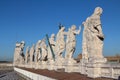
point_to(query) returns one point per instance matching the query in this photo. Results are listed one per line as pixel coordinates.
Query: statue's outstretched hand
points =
(78, 31)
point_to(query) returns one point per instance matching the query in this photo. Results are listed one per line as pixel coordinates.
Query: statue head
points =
(18, 44)
(98, 11)
(39, 41)
(62, 28)
(53, 35)
(22, 44)
(73, 27)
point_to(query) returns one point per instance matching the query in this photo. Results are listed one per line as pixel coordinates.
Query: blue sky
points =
(30, 20)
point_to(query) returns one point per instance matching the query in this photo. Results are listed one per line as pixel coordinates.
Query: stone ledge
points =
(31, 75)
(61, 75)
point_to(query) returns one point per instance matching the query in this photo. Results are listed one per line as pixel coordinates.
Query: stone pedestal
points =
(58, 67)
(94, 70)
(31, 65)
(26, 66)
(59, 63)
(72, 68)
(70, 65)
(43, 64)
(21, 65)
(94, 67)
(83, 66)
(37, 65)
(51, 65)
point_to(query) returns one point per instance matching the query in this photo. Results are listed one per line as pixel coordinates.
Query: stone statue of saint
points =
(86, 40)
(32, 51)
(27, 56)
(44, 52)
(19, 54)
(60, 43)
(37, 51)
(71, 41)
(93, 35)
(52, 43)
(22, 56)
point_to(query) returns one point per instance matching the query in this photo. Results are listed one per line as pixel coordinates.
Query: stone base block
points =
(72, 68)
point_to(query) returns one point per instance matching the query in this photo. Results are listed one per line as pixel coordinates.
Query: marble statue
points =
(67, 42)
(37, 51)
(71, 41)
(27, 55)
(60, 43)
(22, 57)
(32, 51)
(44, 52)
(93, 64)
(52, 43)
(19, 54)
(92, 45)
(85, 41)
(93, 36)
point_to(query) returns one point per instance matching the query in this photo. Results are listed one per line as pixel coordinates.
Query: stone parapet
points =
(32, 76)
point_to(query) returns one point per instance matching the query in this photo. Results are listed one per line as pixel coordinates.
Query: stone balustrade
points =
(110, 70)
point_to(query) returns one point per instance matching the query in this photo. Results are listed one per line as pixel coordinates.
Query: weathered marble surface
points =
(71, 41)
(71, 44)
(92, 64)
(52, 43)
(19, 54)
(37, 52)
(27, 55)
(60, 43)
(93, 36)
(44, 52)
(32, 51)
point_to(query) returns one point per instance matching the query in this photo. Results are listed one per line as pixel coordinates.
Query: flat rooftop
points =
(62, 75)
